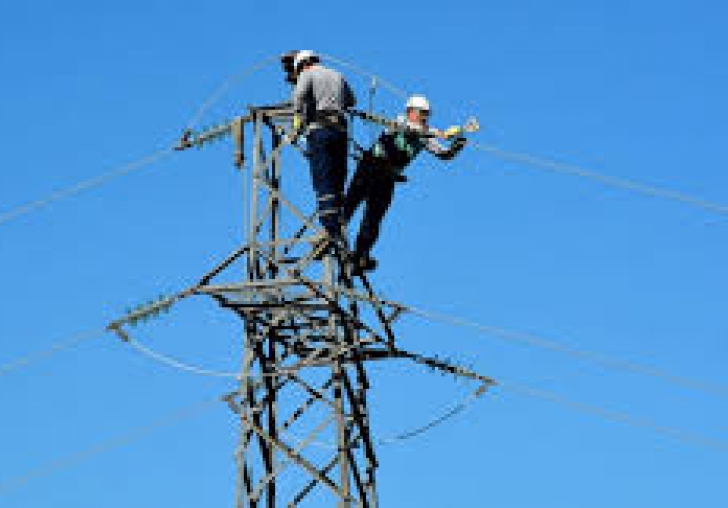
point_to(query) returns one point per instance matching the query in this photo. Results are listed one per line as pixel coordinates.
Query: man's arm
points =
(300, 92)
(445, 153)
(349, 97)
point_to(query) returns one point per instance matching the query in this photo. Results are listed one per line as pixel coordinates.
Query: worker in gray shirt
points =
(321, 99)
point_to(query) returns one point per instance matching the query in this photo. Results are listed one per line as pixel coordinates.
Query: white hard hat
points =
(418, 102)
(302, 57)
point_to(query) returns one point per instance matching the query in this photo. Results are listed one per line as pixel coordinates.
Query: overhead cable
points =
(60, 346)
(120, 441)
(137, 165)
(604, 179)
(675, 433)
(82, 186)
(605, 360)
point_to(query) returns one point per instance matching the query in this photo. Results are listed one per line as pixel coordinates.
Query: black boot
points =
(363, 263)
(326, 243)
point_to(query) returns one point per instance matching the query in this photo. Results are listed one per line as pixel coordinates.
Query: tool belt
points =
(327, 119)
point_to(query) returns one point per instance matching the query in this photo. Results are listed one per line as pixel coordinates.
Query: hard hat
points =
(304, 56)
(418, 102)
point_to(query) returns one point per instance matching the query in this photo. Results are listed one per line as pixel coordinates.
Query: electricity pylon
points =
(309, 331)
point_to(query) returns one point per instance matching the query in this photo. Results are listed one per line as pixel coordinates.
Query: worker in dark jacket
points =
(382, 165)
(321, 99)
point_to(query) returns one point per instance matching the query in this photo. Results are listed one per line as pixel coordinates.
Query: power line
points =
(396, 90)
(608, 180)
(189, 368)
(75, 340)
(602, 359)
(415, 432)
(220, 91)
(177, 364)
(119, 441)
(675, 433)
(58, 347)
(85, 185)
(448, 415)
(126, 169)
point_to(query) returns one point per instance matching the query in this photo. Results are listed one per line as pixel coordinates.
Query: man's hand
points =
(296, 128)
(297, 122)
(453, 131)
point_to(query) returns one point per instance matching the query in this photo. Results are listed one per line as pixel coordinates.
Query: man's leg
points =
(358, 189)
(339, 170)
(324, 182)
(378, 202)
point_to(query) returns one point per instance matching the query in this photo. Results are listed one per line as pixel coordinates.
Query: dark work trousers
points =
(373, 184)
(328, 157)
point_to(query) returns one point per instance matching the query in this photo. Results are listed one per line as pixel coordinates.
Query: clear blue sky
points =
(633, 89)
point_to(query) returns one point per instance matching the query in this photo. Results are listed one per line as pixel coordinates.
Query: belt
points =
(323, 119)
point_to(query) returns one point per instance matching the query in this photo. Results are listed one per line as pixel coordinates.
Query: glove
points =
(453, 131)
(297, 122)
(296, 128)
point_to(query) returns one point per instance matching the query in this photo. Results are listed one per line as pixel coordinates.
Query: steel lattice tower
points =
(309, 331)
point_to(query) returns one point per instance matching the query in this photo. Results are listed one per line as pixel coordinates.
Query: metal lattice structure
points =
(309, 332)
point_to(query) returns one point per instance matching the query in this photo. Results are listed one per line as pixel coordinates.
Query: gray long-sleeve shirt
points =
(320, 90)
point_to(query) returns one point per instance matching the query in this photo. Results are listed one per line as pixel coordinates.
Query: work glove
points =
(453, 131)
(296, 128)
(297, 122)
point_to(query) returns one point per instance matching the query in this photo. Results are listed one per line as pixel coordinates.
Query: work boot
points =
(320, 245)
(363, 263)
(325, 242)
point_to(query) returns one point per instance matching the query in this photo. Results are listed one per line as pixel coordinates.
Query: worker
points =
(383, 164)
(321, 100)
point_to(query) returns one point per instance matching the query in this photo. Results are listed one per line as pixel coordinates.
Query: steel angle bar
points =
(334, 305)
(296, 458)
(298, 449)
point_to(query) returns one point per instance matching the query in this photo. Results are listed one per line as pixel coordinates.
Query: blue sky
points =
(632, 89)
